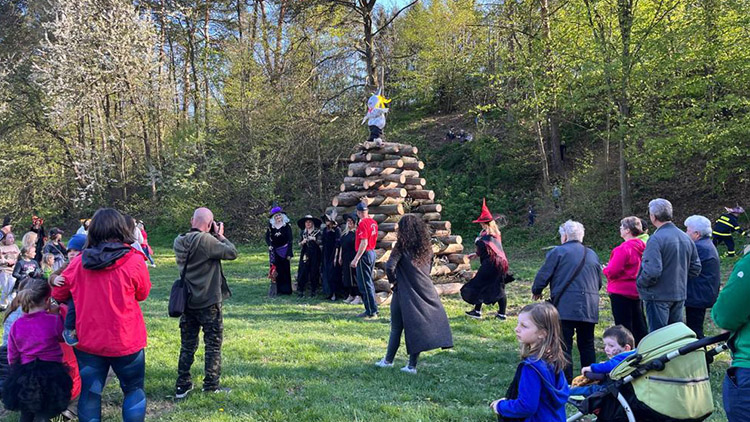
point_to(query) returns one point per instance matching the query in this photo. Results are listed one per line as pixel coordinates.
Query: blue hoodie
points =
(607, 366)
(539, 400)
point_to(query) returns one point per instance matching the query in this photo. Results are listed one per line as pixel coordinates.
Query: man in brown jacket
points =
(200, 251)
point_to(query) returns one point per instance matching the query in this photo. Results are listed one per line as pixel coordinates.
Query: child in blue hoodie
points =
(539, 390)
(618, 345)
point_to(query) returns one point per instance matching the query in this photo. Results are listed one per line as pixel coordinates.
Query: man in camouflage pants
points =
(201, 251)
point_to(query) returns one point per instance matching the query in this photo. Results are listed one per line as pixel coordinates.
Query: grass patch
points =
(311, 360)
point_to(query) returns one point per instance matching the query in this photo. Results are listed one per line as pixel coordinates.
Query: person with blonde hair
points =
(488, 284)
(539, 391)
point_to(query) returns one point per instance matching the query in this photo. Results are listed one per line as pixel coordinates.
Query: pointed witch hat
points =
(486, 216)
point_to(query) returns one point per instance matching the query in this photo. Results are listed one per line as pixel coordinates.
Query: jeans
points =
(7, 281)
(130, 370)
(397, 327)
(70, 317)
(662, 313)
(584, 332)
(694, 320)
(212, 322)
(629, 313)
(365, 283)
(736, 392)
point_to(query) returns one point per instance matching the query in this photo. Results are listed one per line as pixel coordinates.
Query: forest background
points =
(157, 106)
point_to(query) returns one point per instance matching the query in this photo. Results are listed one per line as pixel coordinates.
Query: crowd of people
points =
(59, 353)
(338, 260)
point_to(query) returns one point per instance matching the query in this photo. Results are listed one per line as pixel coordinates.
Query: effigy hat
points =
(486, 216)
(301, 221)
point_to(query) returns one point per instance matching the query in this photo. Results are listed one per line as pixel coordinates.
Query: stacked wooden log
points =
(387, 177)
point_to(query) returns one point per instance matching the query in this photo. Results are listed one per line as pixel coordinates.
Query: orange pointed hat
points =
(486, 215)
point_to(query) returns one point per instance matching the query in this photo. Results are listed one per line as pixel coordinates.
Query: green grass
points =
(311, 360)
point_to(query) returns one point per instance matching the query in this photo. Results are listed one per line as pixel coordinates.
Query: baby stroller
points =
(666, 380)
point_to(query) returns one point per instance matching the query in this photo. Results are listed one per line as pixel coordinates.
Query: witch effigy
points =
(375, 117)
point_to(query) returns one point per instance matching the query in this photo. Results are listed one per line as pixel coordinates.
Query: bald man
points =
(200, 252)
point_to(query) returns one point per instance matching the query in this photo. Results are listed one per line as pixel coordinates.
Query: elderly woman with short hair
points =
(573, 273)
(703, 289)
(621, 272)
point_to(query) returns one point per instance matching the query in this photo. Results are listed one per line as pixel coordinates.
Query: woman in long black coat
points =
(415, 307)
(279, 241)
(488, 284)
(310, 255)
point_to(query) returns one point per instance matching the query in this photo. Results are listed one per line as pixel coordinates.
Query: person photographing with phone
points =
(200, 251)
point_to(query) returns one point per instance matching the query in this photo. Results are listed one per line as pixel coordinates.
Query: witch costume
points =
(348, 251)
(279, 241)
(488, 284)
(331, 237)
(310, 256)
(415, 309)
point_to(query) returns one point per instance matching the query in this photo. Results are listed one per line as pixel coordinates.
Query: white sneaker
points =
(383, 364)
(409, 370)
(356, 301)
(349, 299)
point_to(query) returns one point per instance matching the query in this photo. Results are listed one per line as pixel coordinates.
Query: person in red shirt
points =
(364, 261)
(106, 282)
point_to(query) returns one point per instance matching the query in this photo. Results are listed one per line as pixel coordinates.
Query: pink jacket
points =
(622, 270)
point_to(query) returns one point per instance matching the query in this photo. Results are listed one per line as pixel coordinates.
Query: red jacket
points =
(109, 321)
(622, 270)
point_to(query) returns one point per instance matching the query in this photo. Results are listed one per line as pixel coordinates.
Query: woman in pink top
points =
(39, 384)
(621, 272)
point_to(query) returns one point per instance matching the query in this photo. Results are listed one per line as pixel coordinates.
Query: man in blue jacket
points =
(702, 290)
(669, 259)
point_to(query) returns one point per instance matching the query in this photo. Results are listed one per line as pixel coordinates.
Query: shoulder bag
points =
(180, 293)
(556, 299)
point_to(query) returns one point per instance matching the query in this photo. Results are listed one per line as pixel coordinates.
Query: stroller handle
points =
(704, 342)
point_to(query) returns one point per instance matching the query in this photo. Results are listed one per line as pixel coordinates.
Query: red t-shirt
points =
(367, 229)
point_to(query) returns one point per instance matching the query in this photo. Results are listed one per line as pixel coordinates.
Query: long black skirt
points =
(38, 387)
(283, 276)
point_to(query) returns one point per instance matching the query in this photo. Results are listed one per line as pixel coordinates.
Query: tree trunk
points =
(553, 122)
(625, 18)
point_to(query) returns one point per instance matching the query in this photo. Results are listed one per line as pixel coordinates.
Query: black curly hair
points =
(414, 238)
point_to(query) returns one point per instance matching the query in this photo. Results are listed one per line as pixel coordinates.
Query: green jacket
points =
(732, 313)
(204, 275)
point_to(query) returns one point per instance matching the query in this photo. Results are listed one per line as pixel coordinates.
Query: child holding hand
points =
(539, 390)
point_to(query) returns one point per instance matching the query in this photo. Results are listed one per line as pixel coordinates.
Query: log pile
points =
(387, 178)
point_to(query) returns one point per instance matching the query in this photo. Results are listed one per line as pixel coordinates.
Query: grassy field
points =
(311, 360)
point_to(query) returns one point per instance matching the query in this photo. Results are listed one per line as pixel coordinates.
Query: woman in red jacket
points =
(106, 283)
(621, 272)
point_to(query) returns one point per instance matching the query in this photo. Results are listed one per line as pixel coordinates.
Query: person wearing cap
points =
(279, 240)
(488, 284)
(6, 227)
(56, 247)
(725, 226)
(346, 253)
(75, 247)
(331, 238)
(308, 272)
(364, 261)
(574, 276)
